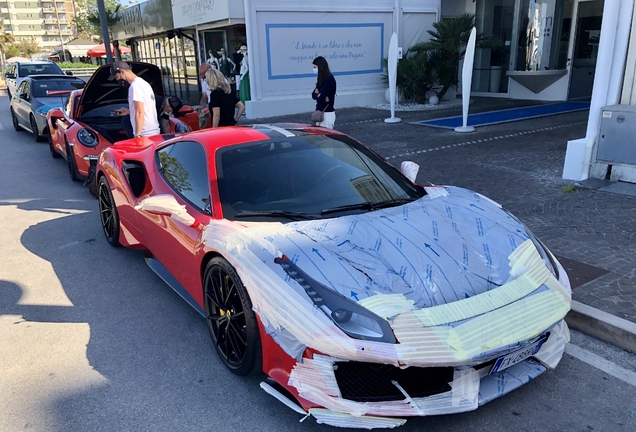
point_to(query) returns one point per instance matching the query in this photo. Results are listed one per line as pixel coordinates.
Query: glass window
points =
(53, 87)
(39, 69)
(306, 174)
(184, 167)
(24, 87)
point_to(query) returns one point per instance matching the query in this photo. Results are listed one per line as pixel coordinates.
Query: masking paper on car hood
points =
(455, 276)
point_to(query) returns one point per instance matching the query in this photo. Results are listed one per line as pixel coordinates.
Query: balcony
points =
(63, 21)
(52, 32)
(50, 20)
(67, 32)
(48, 9)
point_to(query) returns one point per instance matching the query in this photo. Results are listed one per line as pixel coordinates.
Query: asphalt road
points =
(92, 340)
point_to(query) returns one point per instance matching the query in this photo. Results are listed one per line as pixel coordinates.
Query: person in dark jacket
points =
(325, 92)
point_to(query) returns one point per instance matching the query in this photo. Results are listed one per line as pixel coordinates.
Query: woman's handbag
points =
(318, 116)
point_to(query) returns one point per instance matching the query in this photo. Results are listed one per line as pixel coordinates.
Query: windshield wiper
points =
(369, 205)
(392, 202)
(359, 206)
(276, 213)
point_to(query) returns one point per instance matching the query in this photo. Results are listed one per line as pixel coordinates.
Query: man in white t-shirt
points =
(141, 100)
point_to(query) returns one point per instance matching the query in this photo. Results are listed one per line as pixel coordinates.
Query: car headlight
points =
(543, 251)
(181, 127)
(349, 316)
(87, 138)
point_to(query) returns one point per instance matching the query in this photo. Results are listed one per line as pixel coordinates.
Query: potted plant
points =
(414, 76)
(447, 47)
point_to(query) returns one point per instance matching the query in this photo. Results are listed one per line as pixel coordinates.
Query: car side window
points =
(24, 88)
(183, 165)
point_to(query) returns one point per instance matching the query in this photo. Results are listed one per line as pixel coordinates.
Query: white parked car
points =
(20, 70)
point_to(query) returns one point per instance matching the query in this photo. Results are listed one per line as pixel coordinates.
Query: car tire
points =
(54, 154)
(231, 320)
(14, 120)
(108, 212)
(34, 128)
(70, 161)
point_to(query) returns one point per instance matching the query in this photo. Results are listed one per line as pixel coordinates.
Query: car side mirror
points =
(186, 109)
(23, 96)
(167, 205)
(10, 75)
(69, 73)
(410, 170)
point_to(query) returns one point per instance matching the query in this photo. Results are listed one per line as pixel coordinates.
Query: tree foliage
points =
(6, 45)
(87, 21)
(28, 46)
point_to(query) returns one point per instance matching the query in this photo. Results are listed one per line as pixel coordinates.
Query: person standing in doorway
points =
(225, 108)
(325, 92)
(141, 100)
(204, 113)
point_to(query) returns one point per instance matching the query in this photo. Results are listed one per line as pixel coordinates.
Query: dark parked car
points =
(35, 96)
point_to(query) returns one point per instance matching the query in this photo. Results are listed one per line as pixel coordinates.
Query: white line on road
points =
(602, 364)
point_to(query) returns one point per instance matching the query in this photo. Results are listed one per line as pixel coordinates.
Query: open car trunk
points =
(109, 127)
(99, 92)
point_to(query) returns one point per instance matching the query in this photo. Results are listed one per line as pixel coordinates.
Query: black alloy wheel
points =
(70, 161)
(231, 320)
(108, 212)
(34, 128)
(14, 119)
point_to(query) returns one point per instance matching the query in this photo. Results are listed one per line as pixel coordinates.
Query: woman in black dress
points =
(222, 100)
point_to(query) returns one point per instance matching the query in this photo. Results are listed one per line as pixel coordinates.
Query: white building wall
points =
(628, 96)
(284, 36)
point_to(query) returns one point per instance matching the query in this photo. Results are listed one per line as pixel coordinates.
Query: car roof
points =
(216, 138)
(34, 62)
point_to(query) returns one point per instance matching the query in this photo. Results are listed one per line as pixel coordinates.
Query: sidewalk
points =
(519, 164)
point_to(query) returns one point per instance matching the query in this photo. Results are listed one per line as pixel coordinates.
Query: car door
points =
(181, 171)
(22, 105)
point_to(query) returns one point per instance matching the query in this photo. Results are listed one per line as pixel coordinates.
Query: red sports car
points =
(85, 124)
(363, 296)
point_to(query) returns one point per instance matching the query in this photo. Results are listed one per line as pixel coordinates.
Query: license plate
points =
(517, 356)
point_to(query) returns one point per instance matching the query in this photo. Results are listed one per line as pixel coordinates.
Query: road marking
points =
(489, 139)
(602, 364)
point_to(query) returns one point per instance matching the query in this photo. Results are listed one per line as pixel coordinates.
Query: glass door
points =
(587, 16)
(493, 18)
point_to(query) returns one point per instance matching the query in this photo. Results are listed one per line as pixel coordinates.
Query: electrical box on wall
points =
(616, 141)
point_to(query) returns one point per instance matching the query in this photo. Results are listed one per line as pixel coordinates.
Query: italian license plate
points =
(517, 356)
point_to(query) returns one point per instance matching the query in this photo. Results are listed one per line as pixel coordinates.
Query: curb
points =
(602, 325)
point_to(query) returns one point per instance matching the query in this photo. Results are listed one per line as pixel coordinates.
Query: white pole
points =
(467, 79)
(393, 51)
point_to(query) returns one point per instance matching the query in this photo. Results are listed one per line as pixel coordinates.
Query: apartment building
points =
(48, 21)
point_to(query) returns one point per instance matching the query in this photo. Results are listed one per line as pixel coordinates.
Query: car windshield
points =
(40, 69)
(311, 176)
(52, 87)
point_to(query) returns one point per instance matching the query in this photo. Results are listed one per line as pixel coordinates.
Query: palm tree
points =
(5, 40)
(448, 46)
(111, 12)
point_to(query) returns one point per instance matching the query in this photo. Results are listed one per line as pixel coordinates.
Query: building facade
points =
(282, 38)
(47, 21)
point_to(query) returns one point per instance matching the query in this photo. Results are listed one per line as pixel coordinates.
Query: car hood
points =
(99, 91)
(432, 251)
(48, 105)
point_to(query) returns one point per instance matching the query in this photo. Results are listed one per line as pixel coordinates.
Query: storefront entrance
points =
(547, 48)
